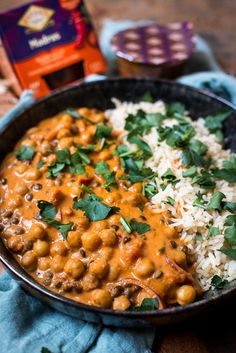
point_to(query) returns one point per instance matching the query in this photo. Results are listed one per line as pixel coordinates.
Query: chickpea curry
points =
(75, 214)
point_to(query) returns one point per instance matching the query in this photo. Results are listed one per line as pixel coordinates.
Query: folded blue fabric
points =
(27, 325)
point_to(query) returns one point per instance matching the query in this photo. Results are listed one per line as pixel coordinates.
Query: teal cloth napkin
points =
(27, 324)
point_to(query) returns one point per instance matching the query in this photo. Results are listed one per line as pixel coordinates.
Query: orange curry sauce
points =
(97, 262)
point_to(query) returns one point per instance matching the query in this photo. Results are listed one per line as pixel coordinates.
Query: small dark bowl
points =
(98, 94)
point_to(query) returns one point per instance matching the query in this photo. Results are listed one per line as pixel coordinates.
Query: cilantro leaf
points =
(147, 97)
(215, 202)
(141, 144)
(147, 305)
(225, 174)
(139, 227)
(93, 208)
(219, 283)
(103, 131)
(102, 168)
(204, 180)
(173, 109)
(169, 200)
(40, 164)
(72, 112)
(55, 169)
(215, 122)
(213, 231)
(168, 175)
(63, 228)
(47, 210)
(47, 214)
(230, 206)
(177, 135)
(25, 153)
(194, 154)
(231, 253)
(135, 174)
(150, 189)
(199, 202)
(190, 172)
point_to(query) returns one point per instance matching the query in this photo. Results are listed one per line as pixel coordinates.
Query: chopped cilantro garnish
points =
(147, 305)
(147, 97)
(126, 225)
(168, 175)
(93, 208)
(214, 123)
(134, 226)
(199, 202)
(139, 227)
(103, 131)
(169, 200)
(191, 172)
(47, 214)
(177, 135)
(72, 112)
(219, 283)
(199, 237)
(40, 164)
(144, 147)
(175, 109)
(103, 169)
(25, 153)
(213, 231)
(204, 180)
(215, 202)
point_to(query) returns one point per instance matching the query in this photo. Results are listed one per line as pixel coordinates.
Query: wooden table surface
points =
(215, 21)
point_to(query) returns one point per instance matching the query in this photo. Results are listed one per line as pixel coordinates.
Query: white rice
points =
(189, 220)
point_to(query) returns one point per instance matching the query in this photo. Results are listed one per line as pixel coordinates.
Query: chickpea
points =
(134, 199)
(55, 196)
(21, 168)
(114, 219)
(12, 230)
(29, 142)
(100, 225)
(144, 268)
(113, 197)
(66, 142)
(121, 303)
(75, 189)
(186, 294)
(66, 121)
(74, 267)
(101, 298)
(170, 232)
(21, 189)
(15, 202)
(29, 260)
(114, 272)
(45, 147)
(15, 244)
(44, 263)
(57, 263)
(41, 248)
(89, 282)
(104, 155)
(106, 252)
(63, 133)
(74, 239)
(91, 241)
(137, 187)
(82, 223)
(51, 158)
(87, 137)
(180, 258)
(99, 268)
(67, 211)
(36, 232)
(33, 174)
(108, 237)
(58, 248)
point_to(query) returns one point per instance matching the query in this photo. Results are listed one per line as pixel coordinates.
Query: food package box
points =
(48, 44)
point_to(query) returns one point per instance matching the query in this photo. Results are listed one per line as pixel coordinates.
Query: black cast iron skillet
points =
(98, 95)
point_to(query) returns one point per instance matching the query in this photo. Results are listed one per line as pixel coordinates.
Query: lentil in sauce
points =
(50, 202)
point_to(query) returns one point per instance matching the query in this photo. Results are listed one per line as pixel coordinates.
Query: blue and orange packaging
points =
(50, 43)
